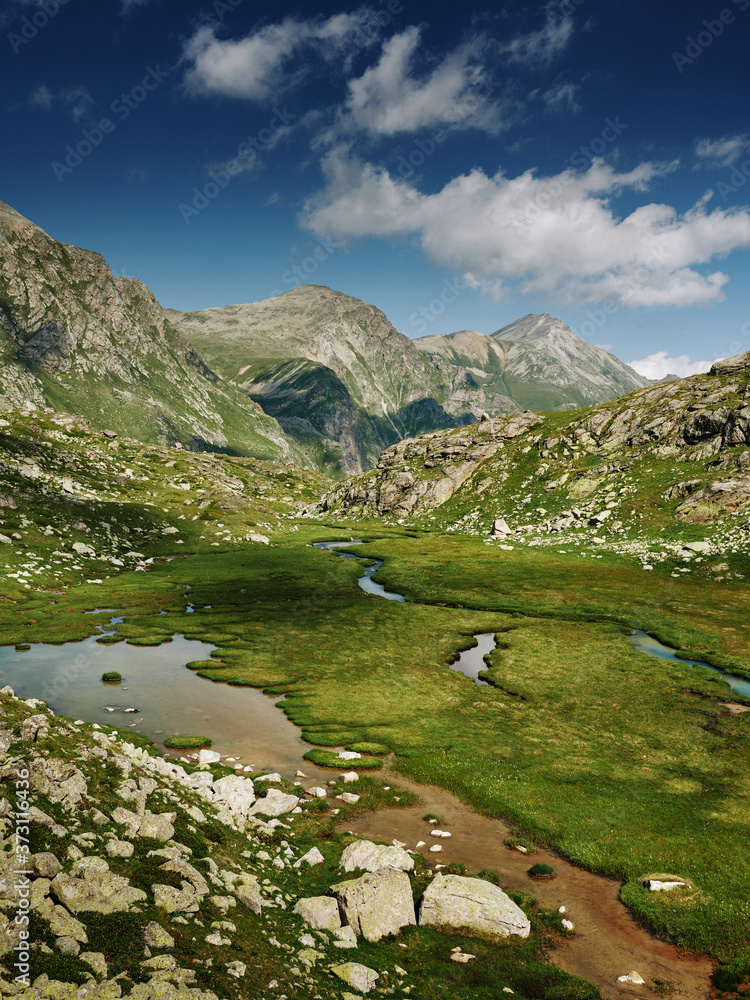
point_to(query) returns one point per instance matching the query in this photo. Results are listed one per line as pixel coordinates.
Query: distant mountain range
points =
(312, 376)
(344, 384)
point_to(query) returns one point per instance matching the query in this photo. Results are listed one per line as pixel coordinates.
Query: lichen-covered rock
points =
(456, 901)
(234, 792)
(319, 912)
(369, 857)
(377, 904)
(359, 977)
(92, 886)
(157, 938)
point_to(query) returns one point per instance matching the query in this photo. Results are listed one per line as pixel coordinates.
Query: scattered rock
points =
(364, 855)
(319, 912)
(456, 901)
(377, 904)
(359, 977)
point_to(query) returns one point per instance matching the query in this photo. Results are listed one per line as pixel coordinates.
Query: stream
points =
(162, 697)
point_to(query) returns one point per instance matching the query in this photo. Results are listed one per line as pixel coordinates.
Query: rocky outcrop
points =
(455, 901)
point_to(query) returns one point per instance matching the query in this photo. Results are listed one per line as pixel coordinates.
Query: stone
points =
(313, 857)
(349, 797)
(156, 937)
(44, 865)
(248, 893)
(462, 957)
(91, 886)
(567, 924)
(500, 528)
(350, 776)
(67, 946)
(317, 792)
(632, 977)
(82, 549)
(457, 901)
(237, 969)
(61, 923)
(359, 977)
(33, 726)
(345, 938)
(377, 904)
(208, 757)
(319, 912)
(173, 900)
(157, 826)
(274, 776)
(657, 886)
(364, 855)
(97, 961)
(119, 849)
(349, 755)
(234, 792)
(275, 803)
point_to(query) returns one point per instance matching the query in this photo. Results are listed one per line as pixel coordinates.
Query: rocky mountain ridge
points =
(77, 338)
(333, 369)
(660, 467)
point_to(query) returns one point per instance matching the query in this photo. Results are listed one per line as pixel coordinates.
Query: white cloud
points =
(548, 235)
(562, 98)
(389, 98)
(660, 364)
(75, 100)
(42, 98)
(722, 152)
(538, 48)
(258, 67)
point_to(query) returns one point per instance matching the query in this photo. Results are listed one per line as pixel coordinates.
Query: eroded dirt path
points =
(608, 942)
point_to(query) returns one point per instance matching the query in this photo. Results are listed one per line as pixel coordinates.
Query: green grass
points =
(187, 742)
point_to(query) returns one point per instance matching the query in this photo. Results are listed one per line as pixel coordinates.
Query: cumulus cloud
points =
(259, 66)
(722, 152)
(660, 364)
(547, 235)
(391, 97)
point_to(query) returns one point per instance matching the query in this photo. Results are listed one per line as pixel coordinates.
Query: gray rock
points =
(33, 726)
(44, 865)
(359, 977)
(92, 886)
(247, 891)
(313, 857)
(456, 901)
(67, 946)
(275, 803)
(97, 961)
(157, 938)
(185, 900)
(377, 904)
(319, 912)
(234, 792)
(119, 849)
(367, 856)
(157, 826)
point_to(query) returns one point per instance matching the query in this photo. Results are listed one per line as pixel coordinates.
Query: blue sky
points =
(457, 166)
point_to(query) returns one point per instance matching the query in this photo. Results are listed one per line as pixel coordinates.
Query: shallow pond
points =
(471, 661)
(170, 699)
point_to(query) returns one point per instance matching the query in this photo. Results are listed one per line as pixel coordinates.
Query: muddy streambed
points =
(608, 942)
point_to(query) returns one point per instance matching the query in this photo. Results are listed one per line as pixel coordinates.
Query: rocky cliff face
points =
(75, 338)
(659, 460)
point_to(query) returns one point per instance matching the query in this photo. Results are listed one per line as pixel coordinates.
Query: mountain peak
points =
(12, 221)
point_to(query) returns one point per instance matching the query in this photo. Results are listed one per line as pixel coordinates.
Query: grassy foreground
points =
(628, 765)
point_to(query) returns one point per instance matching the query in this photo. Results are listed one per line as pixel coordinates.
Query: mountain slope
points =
(391, 386)
(545, 361)
(643, 474)
(76, 339)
